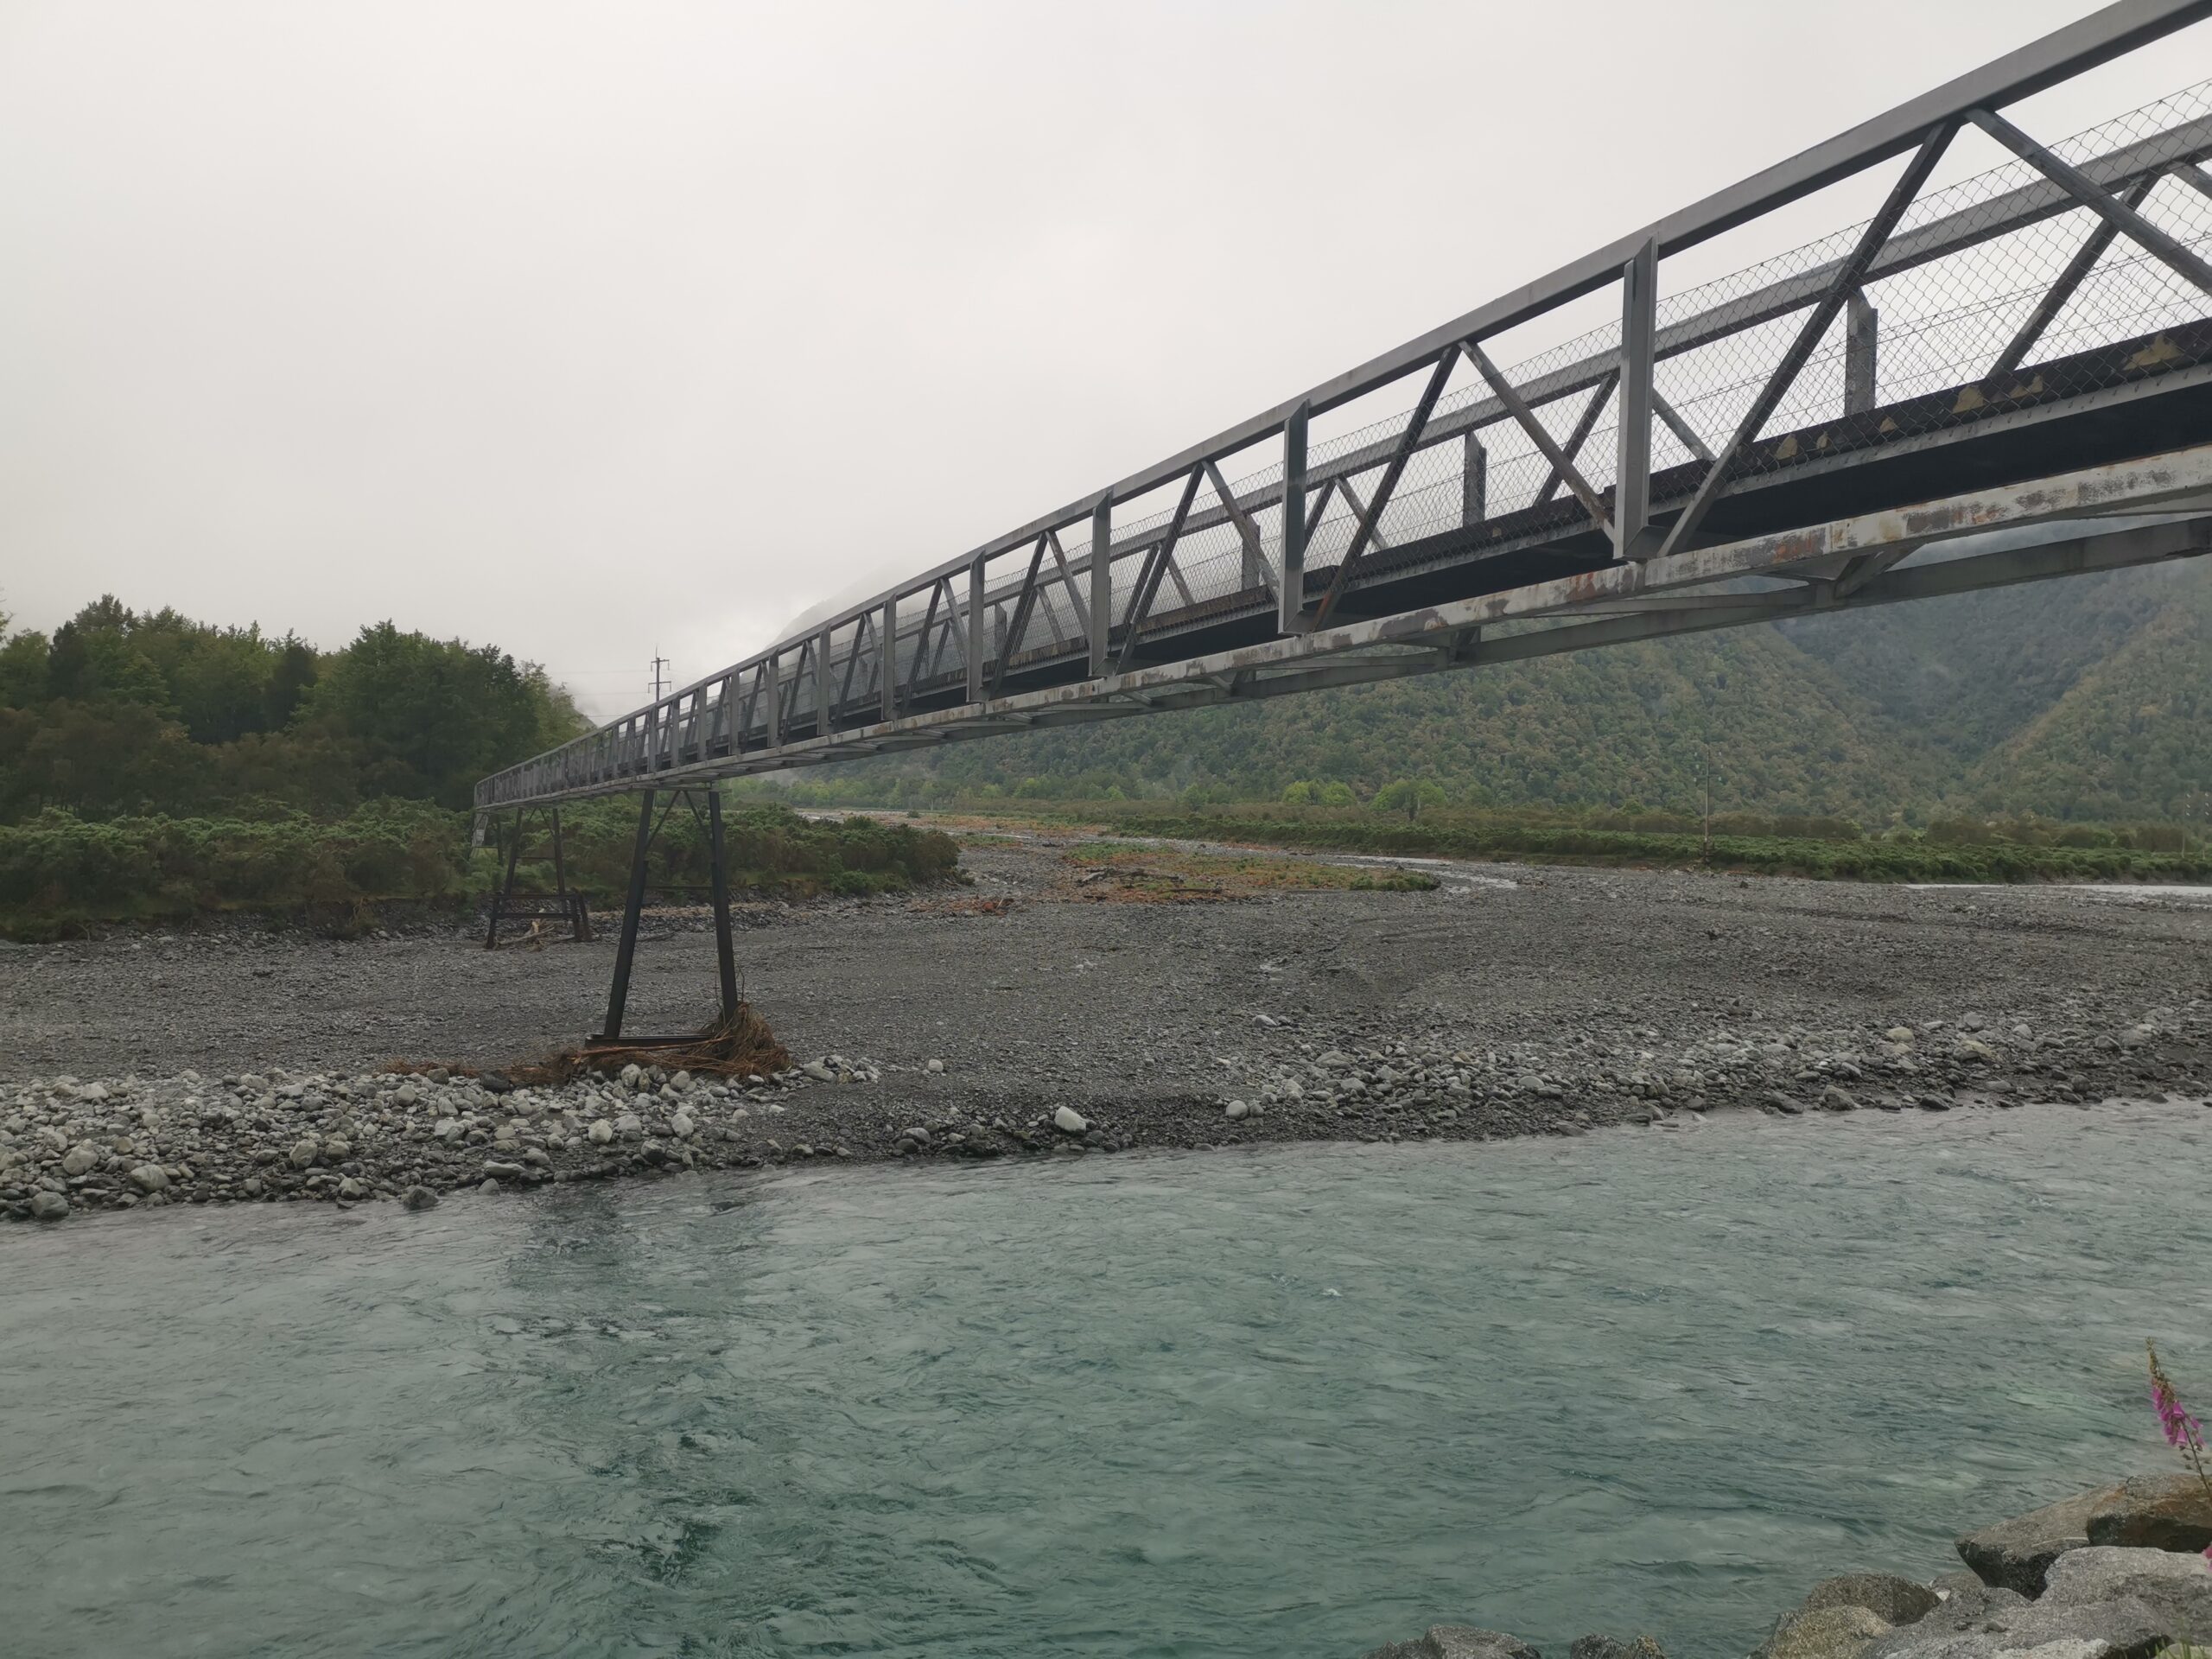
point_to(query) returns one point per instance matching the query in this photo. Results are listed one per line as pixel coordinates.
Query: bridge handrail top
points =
(2105, 34)
(2113, 32)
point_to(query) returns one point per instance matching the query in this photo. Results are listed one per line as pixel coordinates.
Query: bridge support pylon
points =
(717, 892)
(564, 905)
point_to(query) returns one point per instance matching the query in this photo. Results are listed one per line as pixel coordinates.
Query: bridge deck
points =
(2030, 348)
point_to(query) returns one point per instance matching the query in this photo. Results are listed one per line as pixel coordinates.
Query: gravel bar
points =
(1024, 1016)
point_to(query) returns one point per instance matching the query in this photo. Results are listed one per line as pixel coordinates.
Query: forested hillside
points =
(2082, 698)
(2086, 698)
(122, 712)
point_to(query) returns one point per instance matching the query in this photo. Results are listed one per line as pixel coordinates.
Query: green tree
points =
(432, 717)
(22, 671)
(1408, 796)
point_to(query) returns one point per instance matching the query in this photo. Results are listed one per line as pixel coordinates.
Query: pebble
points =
(272, 1135)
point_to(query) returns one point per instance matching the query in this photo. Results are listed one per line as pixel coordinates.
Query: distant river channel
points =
(1288, 1402)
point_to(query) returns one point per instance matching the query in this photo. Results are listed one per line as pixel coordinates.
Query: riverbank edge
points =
(2121, 1572)
(68, 1146)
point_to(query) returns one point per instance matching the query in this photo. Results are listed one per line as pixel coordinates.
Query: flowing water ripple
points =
(1284, 1403)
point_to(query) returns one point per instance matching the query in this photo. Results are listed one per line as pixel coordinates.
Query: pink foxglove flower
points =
(2183, 1432)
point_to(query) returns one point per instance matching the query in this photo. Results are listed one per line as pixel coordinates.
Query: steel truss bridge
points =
(2001, 381)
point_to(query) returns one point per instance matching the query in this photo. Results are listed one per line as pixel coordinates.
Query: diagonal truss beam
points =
(1254, 573)
(2159, 507)
(1393, 470)
(1684, 432)
(1162, 560)
(919, 670)
(1075, 602)
(1584, 423)
(2079, 185)
(1809, 335)
(1548, 445)
(1017, 630)
(2077, 270)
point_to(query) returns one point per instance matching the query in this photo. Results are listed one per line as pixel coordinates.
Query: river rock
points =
(1457, 1642)
(2121, 1628)
(600, 1133)
(2154, 1512)
(1834, 1099)
(2015, 1554)
(2177, 1587)
(306, 1152)
(1236, 1109)
(1604, 1647)
(1890, 1598)
(1068, 1120)
(149, 1178)
(2147, 1511)
(682, 1126)
(419, 1198)
(1840, 1630)
(79, 1158)
(48, 1206)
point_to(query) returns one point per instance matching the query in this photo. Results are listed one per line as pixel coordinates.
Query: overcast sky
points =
(592, 329)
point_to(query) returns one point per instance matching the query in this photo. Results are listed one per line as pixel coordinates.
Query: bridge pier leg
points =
(575, 903)
(626, 948)
(725, 948)
(500, 893)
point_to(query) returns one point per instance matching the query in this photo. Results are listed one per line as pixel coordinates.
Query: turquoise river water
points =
(1290, 1402)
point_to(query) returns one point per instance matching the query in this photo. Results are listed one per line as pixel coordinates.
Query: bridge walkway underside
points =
(2106, 517)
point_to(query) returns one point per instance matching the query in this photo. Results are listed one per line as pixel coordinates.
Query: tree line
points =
(121, 713)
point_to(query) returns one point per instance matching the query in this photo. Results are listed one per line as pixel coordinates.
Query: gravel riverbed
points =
(1029, 1016)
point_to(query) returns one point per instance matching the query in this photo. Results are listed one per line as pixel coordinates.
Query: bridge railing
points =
(2069, 272)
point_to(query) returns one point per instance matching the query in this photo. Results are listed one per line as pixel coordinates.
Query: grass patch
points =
(1471, 834)
(60, 875)
(1127, 871)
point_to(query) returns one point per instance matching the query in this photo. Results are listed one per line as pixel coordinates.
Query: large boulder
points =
(1842, 1617)
(1457, 1642)
(2149, 1511)
(1604, 1647)
(1840, 1631)
(2154, 1512)
(2015, 1554)
(2175, 1587)
(2120, 1628)
(1889, 1597)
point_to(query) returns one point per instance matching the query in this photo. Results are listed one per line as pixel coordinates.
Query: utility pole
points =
(1705, 789)
(659, 663)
